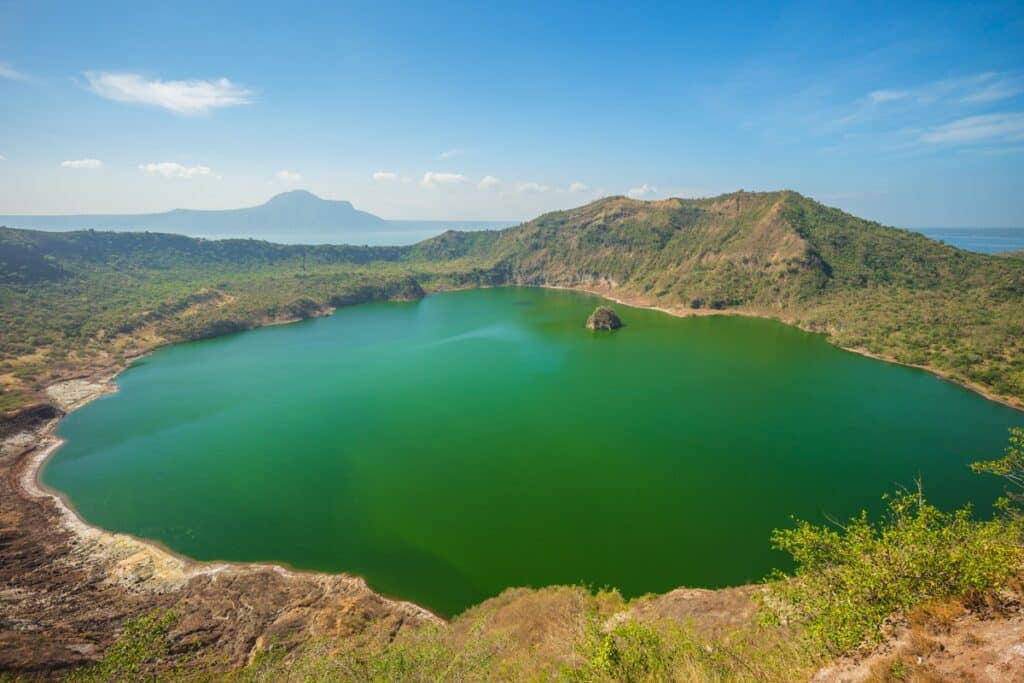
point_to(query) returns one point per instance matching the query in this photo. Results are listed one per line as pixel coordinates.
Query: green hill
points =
(88, 299)
(888, 292)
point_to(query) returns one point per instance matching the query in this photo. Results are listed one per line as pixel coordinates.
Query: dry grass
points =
(936, 617)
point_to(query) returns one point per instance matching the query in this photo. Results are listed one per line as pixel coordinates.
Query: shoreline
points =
(681, 312)
(146, 566)
(144, 574)
(180, 567)
(47, 443)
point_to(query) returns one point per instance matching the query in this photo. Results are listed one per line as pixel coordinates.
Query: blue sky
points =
(908, 113)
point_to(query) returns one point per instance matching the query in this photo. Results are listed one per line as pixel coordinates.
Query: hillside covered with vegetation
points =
(86, 299)
(888, 292)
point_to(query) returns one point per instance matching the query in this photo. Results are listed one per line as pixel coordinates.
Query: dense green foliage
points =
(1011, 468)
(850, 578)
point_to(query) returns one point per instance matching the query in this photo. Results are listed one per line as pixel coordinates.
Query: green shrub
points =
(143, 642)
(1011, 468)
(849, 579)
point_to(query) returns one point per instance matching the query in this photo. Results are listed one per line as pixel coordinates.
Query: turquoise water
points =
(450, 448)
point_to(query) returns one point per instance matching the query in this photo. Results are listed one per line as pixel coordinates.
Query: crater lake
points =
(476, 440)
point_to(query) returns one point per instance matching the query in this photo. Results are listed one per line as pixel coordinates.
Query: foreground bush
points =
(849, 579)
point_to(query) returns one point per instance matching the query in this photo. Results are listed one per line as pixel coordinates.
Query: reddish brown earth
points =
(950, 643)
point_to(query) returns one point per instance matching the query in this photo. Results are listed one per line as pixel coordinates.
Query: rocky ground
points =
(945, 642)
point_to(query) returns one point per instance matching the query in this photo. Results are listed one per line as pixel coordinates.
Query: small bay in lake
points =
(450, 448)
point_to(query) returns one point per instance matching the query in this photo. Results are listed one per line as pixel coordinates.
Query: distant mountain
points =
(293, 216)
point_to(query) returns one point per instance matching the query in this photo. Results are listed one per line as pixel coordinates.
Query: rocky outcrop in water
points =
(603, 318)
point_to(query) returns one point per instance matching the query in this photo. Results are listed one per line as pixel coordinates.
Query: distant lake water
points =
(984, 240)
(451, 448)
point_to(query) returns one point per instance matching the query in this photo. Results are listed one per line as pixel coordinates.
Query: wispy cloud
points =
(578, 187)
(488, 182)
(3, 158)
(525, 187)
(170, 169)
(984, 87)
(879, 96)
(916, 104)
(82, 163)
(181, 97)
(986, 128)
(9, 72)
(289, 177)
(999, 151)
(452, 153)
(995, 87)
(641, 191)
(385, 177)
(435, 179)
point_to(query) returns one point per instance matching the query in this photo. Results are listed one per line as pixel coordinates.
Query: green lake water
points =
(476, 440)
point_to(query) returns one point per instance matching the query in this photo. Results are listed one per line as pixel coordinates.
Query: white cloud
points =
(3, 158)
(181, 97)
(979, 88)
(879, 96)
(82, 163)
(452, 153)
(578, 187)
(951, 95)
(488, 182)
(531, 187)
(9, 72)
(988, 127)
(641, 191)
(385, 177)
(994, 87)
(434, 179)
(289, 177)
(169, 169)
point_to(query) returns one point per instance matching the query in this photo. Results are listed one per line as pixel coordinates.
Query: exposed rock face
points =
(603, 318)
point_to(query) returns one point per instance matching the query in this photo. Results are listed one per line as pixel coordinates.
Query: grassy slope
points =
(888, 292)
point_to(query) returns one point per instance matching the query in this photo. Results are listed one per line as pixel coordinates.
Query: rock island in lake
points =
(603, 318)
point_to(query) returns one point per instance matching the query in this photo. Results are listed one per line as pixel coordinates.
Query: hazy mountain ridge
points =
(297, 211)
